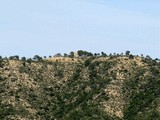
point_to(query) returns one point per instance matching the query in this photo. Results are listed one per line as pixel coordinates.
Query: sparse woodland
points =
(80, 86)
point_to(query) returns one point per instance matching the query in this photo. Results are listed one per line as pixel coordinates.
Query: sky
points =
(47, 27)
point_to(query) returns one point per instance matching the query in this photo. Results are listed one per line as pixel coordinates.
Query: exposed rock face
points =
(102, 88)
(115, 104)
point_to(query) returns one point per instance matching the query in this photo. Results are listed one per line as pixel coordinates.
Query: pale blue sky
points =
(46, 27)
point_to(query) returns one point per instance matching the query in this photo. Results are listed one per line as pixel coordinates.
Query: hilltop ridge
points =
(85, 87)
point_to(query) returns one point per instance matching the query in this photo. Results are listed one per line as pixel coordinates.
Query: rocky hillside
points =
(81, 88)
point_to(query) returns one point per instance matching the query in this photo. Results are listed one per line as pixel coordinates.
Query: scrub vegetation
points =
(80, 86)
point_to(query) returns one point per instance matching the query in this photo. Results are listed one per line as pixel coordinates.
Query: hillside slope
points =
(94, 88)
